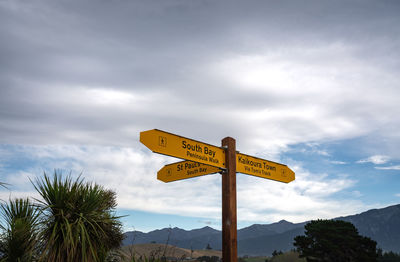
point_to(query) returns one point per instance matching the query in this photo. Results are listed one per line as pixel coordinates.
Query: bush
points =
(76, 222)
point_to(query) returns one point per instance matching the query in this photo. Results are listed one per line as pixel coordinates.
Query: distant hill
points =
(196, 239)
(382, 225)
(257, 230)
(265, 245)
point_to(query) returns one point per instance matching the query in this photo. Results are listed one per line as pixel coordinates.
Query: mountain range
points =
(381, 225)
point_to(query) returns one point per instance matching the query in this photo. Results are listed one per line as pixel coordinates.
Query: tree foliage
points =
(78, 220)
(209, 259)
(277, 253)
(19, 241)
(74, 221)
(388, 256)
(334, 240)
(290, 256)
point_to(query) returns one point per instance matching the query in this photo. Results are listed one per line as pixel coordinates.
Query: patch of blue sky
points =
(19, 164)
(14, 158)
(147, 221)
(342, 158)
(17, 158)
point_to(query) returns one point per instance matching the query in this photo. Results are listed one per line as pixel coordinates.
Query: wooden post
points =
(229, 219)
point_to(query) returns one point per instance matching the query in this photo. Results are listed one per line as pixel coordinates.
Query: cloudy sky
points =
(311, 84)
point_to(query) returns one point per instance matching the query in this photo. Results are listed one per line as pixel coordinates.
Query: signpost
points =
(229, 217)
(184, 170)
(203, 159)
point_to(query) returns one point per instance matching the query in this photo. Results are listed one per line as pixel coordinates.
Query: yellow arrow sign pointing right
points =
(263, 168)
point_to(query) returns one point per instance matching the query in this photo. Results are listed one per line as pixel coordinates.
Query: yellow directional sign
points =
(173, 145)
(263, 168)
(184, 170)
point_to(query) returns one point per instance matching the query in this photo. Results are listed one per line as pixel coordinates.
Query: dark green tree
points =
(336, 241)
(276, 253)
(209, 259)
(388, 256)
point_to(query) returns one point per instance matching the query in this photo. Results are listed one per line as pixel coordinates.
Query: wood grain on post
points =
(229, 218)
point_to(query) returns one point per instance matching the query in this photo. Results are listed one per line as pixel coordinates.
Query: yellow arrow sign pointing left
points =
(177, 146)
(184, 170)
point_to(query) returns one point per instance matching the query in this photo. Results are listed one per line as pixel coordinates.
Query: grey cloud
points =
(165, 52)
(130, 43)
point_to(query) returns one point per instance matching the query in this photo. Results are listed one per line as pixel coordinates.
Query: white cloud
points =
(19, 179)
(322, 153)
(376, 159)
(310, 196)
(338, 162)
(5, 194)
(398, 195)
(131, 172)
(388, 167)
(307, 101)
